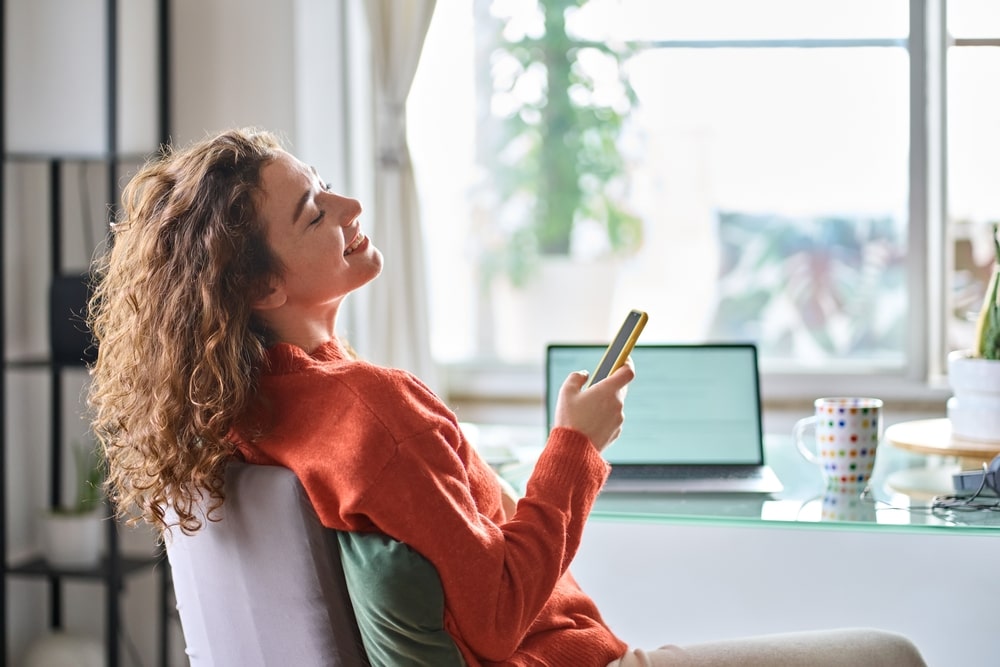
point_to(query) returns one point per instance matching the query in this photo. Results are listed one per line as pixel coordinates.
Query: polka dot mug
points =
(848, 431)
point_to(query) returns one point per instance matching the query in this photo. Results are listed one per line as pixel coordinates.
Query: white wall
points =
(277, 65)
(232, 66)
(661, 582)
(57, 76)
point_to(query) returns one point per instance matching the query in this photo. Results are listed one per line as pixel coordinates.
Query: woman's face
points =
(316, 236)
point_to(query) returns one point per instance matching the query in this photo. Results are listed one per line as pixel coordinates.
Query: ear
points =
(275, 297)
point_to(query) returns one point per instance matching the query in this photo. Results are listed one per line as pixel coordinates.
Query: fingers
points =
(620, 378)
(597, 411)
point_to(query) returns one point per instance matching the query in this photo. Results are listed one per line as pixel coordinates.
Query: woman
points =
(216, 313)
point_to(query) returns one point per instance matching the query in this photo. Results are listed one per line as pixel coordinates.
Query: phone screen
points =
(619, 349)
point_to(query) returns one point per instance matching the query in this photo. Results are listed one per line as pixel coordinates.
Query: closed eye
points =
(326, 187)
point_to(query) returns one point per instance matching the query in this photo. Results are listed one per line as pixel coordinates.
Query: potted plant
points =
(974, 374)
(72, 535)
(560, 178)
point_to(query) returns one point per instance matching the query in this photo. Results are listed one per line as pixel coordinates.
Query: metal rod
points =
(3, 348)
(114, 580)
(163, 37)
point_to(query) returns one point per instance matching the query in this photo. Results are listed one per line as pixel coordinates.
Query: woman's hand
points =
(597, 411)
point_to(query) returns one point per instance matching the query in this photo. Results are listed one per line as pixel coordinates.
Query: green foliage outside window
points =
(819, 287)
(558, 162)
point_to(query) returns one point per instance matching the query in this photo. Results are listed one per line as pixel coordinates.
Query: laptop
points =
(693, 418)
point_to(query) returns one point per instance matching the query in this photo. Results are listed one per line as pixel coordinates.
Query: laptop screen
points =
(689, 404)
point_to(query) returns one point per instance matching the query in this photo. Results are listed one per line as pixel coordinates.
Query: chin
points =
(375, 264)
(377, 261)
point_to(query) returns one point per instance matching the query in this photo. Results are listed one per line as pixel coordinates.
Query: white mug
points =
(848, 430)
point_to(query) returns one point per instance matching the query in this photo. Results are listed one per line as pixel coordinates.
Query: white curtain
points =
(398, 326)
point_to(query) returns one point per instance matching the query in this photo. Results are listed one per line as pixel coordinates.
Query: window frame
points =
(922, 384)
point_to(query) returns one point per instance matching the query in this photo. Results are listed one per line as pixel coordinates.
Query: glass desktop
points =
(904, 494)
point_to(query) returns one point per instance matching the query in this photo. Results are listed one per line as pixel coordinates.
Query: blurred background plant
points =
(823, 287)
(561, 181)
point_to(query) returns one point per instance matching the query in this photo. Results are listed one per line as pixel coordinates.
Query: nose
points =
(347, 209)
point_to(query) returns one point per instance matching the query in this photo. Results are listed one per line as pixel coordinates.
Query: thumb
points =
(621, 377)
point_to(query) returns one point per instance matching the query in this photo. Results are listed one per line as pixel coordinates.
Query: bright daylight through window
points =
(739, 169)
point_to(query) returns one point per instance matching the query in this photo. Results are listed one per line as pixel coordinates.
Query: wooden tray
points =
(933, 436)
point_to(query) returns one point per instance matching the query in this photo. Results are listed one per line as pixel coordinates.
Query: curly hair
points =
(179, 349)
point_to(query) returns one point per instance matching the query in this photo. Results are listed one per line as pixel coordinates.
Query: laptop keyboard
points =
(686, 472)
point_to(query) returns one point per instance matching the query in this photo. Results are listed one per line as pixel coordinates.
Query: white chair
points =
(263, 585)
(266, 585)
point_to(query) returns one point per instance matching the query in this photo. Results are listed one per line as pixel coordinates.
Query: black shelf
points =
(114, 568)
(40, 362)
(79, 158)
(37, 566)
(26, 363)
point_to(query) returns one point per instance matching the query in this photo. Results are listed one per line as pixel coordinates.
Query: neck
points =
(305, 330)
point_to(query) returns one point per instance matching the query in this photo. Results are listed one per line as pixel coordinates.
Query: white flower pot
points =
(73, 540)
(64, 649)
(974, 410)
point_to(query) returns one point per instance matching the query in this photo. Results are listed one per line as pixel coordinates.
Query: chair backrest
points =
(264, 585)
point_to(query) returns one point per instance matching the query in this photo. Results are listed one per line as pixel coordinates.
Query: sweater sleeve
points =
(496, 577)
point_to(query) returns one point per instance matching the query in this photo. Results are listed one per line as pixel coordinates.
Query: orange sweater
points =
(376, 450)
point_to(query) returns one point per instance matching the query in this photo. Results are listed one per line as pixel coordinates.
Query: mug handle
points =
(797, 432)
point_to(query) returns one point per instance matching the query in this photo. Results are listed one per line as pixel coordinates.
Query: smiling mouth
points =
(355, 244)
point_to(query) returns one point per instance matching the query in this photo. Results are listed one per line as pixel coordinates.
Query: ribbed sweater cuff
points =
(571, 462)
(601, 649)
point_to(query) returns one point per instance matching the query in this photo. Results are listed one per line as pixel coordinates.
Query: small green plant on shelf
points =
(987, 343)
(71, 534)
(89, 467)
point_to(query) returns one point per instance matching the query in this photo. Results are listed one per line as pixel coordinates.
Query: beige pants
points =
(831, 648)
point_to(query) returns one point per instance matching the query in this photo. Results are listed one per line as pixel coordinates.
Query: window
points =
(743, 171)
(973, 132)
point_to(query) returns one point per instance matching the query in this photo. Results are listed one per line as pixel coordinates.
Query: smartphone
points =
(619, 349)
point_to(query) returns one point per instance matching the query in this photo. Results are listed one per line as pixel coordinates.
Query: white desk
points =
(675, 569)
(659, 582)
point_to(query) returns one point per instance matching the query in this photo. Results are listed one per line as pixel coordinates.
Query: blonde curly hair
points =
(179, 348)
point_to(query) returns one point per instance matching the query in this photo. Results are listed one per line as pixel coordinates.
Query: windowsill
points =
(514, 394)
